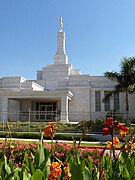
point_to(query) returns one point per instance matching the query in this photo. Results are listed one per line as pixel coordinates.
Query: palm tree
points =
(125, 79)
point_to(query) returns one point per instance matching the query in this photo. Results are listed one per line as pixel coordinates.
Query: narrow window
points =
(116, 102)
(97, 100)
(107, 102)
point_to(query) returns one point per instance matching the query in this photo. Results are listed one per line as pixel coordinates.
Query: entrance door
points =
(46, 111)
(49, 112)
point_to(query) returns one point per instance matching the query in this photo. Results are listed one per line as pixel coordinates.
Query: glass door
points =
(46, 112)
(49, 112)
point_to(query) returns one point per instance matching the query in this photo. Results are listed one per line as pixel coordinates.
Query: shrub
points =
(93, 126)
(35, 135)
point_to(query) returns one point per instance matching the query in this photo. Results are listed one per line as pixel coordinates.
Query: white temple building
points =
(60, 93)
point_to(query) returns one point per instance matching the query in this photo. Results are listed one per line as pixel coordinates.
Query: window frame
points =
(98, 101)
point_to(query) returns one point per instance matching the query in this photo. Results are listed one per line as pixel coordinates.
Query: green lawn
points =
(82, 144)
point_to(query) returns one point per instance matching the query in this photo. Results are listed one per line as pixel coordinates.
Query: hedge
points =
(36, 135)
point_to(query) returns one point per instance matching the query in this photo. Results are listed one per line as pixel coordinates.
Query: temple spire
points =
(61, 56)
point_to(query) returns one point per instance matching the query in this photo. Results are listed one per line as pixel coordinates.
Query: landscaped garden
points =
(61, 161)
(65, 131)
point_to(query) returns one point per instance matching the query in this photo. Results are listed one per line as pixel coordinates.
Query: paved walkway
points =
(66, 141)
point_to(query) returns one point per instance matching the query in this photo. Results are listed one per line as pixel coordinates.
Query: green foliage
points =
(80, 164)
(36, 135)
(125, 79)
(122, 168)
(118, 169)
(35, 126)
(92, 125)
(29, 170)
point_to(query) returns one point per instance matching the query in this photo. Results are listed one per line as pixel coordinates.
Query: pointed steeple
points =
(61, 56)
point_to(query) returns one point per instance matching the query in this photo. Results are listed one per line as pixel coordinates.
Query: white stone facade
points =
(60, 93)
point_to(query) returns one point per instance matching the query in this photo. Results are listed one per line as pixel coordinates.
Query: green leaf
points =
(7, 168)
(133, 155)
(47, 156)
(39, 155)
(82, 165)
(25, 176)
(124, 156)
(125, 174)
(38, 175)
(78, 159)
(107, 162)
(11, 176)
(89, 161)
(87, 175)
(29, 164)
(131, 167)
(107, 165)
(76, 172)
(46, 169)
(17, 177)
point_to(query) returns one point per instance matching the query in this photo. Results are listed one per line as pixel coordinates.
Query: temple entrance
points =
(46, 111)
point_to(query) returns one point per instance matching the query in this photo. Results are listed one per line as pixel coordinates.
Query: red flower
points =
(107, 131)
(109, 121)
(122, 128)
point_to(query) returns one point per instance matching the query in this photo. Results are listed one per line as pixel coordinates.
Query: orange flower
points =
(55, 171)
(122, 133)
(130, 145)
(116, 140)
(67, 173)
(50, 129)
(55, 165)
(109, 144)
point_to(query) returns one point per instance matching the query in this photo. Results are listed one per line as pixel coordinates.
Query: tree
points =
(125, 79)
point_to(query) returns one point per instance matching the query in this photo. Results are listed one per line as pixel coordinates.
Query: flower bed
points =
(16, 150)
(60, 161)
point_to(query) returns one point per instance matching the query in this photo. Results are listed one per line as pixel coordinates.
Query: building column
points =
(111, 103)
(64, 109)
(102, 104)
(4, 109)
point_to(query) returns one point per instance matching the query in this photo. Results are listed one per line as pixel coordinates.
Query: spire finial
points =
(61, 24)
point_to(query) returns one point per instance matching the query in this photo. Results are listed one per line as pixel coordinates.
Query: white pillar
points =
(64, 109)
(102, 104)
(4, 109)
